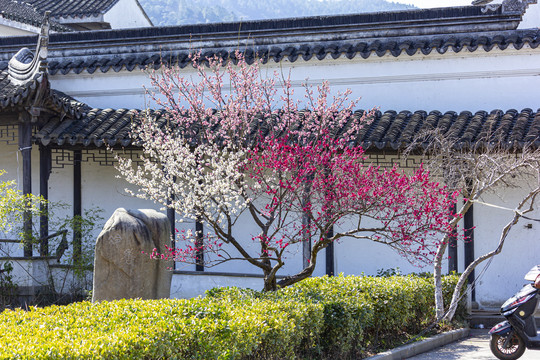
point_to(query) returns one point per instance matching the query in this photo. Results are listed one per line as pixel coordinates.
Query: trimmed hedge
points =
(317, 318)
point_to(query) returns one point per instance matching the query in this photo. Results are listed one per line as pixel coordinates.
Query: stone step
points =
(485, 319)
(481, 319)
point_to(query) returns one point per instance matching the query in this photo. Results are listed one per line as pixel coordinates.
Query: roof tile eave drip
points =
(514, 39)
(390, 130)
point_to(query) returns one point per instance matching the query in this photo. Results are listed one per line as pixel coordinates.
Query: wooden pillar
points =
(171, 215)
(469, 245)
(330, 271)
(306, 241)
(199, 235)
(453, 249)
(45, 165)
(306, 224)
(25, 147)
(77, 205)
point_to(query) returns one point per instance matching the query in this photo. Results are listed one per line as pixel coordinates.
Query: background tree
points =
(235, 145)
(13, 204)
(489, 165)
(180, 12)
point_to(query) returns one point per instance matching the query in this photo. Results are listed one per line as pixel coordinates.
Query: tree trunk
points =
(456, 296)
(437, 279)
(307, 271)
(270, 283)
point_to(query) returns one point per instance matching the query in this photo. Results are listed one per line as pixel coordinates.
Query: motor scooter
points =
(510, 338)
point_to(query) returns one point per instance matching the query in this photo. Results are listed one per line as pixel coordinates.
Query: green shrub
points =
(317, 318)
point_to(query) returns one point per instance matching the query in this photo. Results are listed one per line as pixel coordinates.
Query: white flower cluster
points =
(197, 182)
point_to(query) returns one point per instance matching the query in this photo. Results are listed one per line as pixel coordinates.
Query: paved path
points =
(474, 347)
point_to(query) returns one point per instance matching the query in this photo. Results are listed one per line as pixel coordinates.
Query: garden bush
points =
(317, 318)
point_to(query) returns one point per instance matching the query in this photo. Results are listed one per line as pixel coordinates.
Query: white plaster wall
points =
(531, 19)
(11, 162)
(100, 189)
(363, 256)
(244, 233)
(28, 273)
(356, 257)
(504, 275)
(66, 282)
(126, 14)
(188, 286)
(451, 82)
(11, 28)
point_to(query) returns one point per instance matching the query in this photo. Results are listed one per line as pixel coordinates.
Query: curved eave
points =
(17, 95)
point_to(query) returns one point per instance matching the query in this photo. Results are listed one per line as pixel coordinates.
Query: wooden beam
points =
(25, 147)
(330, 266)
(9, 118)
(469, 245)
(453, 250)
(77, 205)
(171, 215)
(199, 256)
(45, 165)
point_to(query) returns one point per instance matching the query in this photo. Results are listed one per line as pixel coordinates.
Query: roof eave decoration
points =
(508, 6)
(25, 66)
(25, 83)
(517, 6)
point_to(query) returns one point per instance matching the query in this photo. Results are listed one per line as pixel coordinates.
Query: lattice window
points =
(106, 158)
(9, 134)
(61, 158)
(388, 161)
(103, 157)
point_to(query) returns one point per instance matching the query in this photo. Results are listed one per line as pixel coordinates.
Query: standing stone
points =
(121, 269)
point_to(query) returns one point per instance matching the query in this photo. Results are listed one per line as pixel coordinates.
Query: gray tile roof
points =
(12, 95)
(402, 33)
(396, 47)
(72, 8)
(390, 130)
(77, 124)
(25, 13)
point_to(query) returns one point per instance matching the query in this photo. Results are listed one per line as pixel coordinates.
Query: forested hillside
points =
(177, 12)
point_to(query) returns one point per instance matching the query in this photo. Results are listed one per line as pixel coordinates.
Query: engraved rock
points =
(123, 268)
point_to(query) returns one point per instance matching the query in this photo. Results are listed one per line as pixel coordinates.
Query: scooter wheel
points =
(514, 350)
